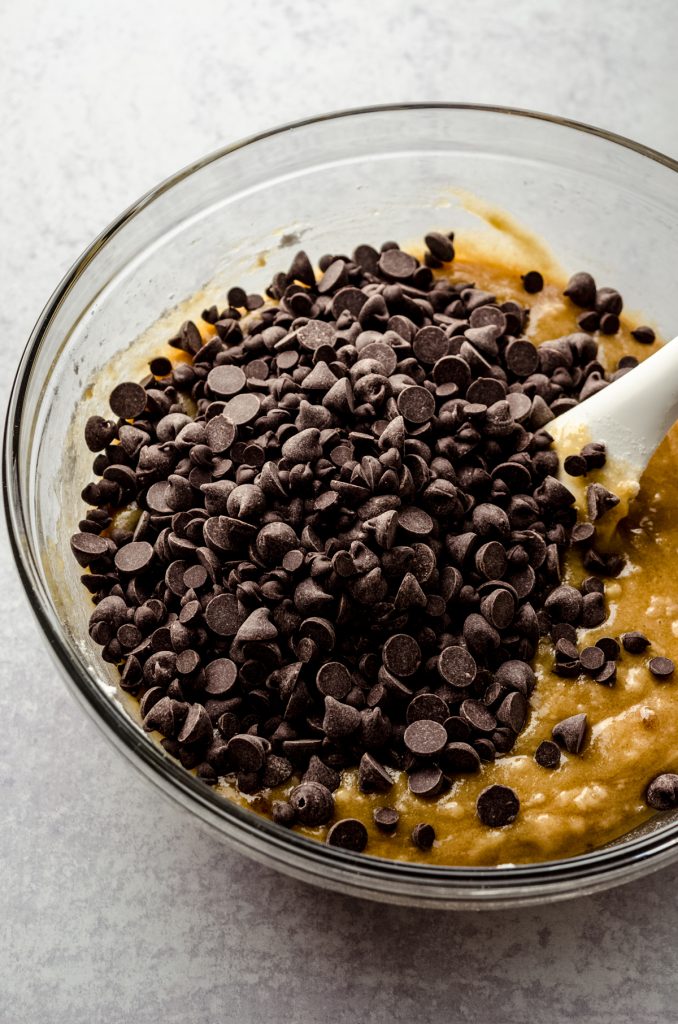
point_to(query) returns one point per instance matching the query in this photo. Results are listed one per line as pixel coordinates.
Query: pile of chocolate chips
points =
(351, 531)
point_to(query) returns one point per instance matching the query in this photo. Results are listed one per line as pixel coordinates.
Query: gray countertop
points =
(113, 907)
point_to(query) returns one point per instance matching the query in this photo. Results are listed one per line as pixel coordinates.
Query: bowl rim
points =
(256, 835)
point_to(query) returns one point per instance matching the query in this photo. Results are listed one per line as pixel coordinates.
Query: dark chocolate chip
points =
(128, 400)
(372, 776)
(570, 733)
(592, 659)
(581, 289)
(425, 738)
(547, 754)
(246, 752)
(634, 642)
(460, 757)
(426, 782)
(427, 706)
(440, 246)
(609, 647)
(662, 792)
(497, 806)
(661, 668)
(423, 836)
(607, 674)
(533, 282)
(599, 501)
(401, 655)
(457, 666)
(575, 465)
(386, 819)
(349, 834)
(397, 264)
(312, 803)
(283, 813)
(645, 335)
(334, 680)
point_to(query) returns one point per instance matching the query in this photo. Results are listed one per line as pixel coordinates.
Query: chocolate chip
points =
(645, 335)
(425, 738)
(372, 776)
(662, 792)
(340, 720)
(220, 677)
(397, 264)
(134, 557)
(583, 534)
(595, 454)
(499, 608)
(128, 400)
(427, 706)
(575, 465)
(460, 757)
(440, 246)
(386, 819)
(522, 358)
(88, 547)
(513, 711)
(564, 604)
(593, 610)
(608, 300)
(570, 733)
(349, 834)
(247, 752)
(401, 655)
(430, 344)
(242, 409)
(491, 560)
(661, 668)
(197, 727)
(415, 522)
(533, 282)
(334, 680)
(547, 754)
(497, 806)
(517, 675)
(416, 404)
(222, 615)
(334, 277)
(477, 715)
(607, 674)
(318, 771)
(98, 433)
(609, 646)
(581, 289)
(220, 433)
(225, 381)
(312, 803)
(609, 323)
(423, 836)
(599, 501)
(592, 659)
(457, 666)
(283, 813)
(426, 782)
(634, 642)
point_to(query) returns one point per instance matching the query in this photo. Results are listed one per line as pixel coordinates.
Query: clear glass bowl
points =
(601, 201)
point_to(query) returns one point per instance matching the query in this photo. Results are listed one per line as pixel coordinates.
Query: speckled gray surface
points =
(112, 908)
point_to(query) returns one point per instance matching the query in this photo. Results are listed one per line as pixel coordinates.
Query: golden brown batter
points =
(596, 796)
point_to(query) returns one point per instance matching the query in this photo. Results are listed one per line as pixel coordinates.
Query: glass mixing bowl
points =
(601, 201)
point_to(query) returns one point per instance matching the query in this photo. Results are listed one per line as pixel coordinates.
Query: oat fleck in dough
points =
(493, 701)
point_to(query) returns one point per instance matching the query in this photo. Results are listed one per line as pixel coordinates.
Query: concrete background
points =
(112, 907)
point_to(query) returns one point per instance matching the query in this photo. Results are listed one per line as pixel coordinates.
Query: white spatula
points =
(631, 417)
